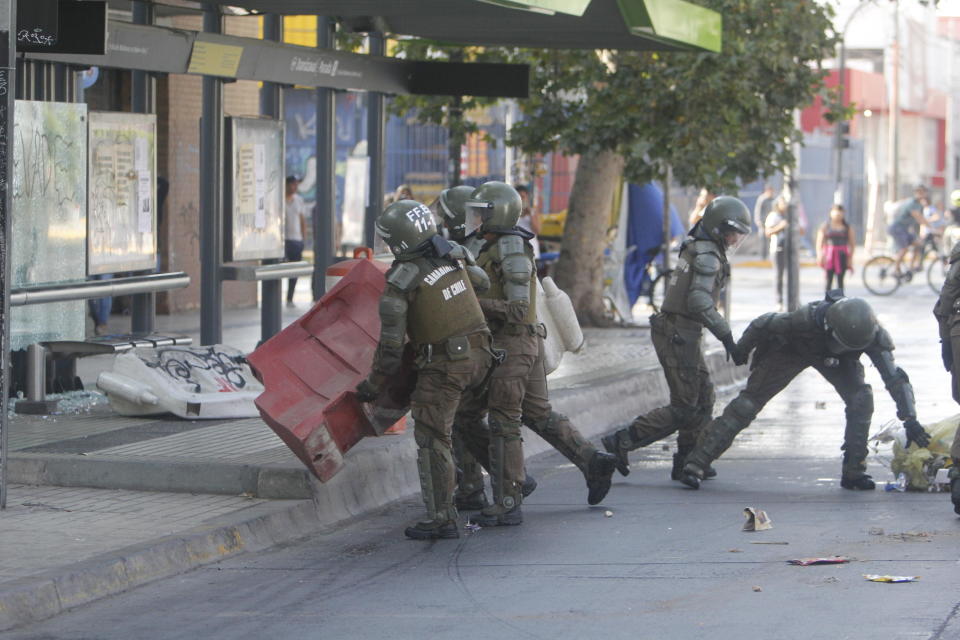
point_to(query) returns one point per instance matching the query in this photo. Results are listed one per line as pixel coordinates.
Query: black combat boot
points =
(679, 459)
(529, 485)
(612, 444)
(955, 495)
(691, 475)
(432, 530)
(862, 482)
(498, 517)
(599, 475)
(471, 501)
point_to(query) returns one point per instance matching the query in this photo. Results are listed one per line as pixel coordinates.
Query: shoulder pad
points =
(403, 275)
(706, 263)
(883, 340)
(510, 245)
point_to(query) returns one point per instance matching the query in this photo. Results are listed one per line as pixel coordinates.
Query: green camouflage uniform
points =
(689, 305)
(432, 300)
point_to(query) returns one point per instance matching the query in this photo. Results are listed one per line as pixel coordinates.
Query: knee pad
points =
(741, 411)
(683, 414)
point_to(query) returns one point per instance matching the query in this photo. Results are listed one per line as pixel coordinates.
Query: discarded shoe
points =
(599, 476)
(612, 444)
(432, 530)
(859, 483)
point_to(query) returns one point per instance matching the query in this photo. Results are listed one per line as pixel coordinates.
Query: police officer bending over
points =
(689, 305)
(429, 296)
(828, 335)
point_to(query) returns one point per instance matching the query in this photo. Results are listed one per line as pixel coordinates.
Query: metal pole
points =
(324, 211)
(270, 106)
(143, 313)
(375, 147)
(7, 82)
(211, 197)
(790, 247)
(667, 179)
(894, 131)
(842, 83)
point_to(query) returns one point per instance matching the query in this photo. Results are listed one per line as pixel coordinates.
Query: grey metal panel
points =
(308, 67)
(471, 22)
(131, 46)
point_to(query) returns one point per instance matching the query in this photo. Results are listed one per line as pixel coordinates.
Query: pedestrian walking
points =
(295, 229)
(835, 245)
(774, 229)
(829, 335)
(689, 305)
(761, 209)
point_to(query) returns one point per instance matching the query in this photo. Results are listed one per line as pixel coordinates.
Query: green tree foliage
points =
(715, 118)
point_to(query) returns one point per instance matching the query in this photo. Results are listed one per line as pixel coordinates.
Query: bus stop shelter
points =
(146, 50)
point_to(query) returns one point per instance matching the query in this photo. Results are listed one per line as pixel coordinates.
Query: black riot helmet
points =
(851, 323)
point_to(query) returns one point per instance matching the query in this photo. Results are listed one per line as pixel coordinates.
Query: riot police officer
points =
(947, 312)
(689, 305)
(429, 296)
(536, 411)
(828, 335)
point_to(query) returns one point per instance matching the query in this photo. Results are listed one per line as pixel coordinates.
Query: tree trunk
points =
(579, 270)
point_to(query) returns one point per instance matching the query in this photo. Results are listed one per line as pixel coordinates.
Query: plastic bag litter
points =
(806, 562)
(919, 465)
(757, 520)
(877, 578)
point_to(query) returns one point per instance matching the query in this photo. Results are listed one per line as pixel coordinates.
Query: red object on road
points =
(311, 368)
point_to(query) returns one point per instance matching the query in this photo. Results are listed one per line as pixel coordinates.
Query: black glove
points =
(366, 391)
(734, 352)
(916, 433)
(946, 353)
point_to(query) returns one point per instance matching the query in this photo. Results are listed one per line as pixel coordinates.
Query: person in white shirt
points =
(295, 230)
(529, 219)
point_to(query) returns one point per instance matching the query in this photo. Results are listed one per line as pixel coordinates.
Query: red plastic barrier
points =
(311, 368)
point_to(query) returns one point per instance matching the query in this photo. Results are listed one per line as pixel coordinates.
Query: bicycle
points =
(880, 275)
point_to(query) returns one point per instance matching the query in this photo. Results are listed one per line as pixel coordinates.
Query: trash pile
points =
(917, 468)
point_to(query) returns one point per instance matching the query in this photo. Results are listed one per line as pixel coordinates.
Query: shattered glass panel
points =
(49, 221)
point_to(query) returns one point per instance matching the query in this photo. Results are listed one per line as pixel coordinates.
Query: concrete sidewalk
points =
(100, 503)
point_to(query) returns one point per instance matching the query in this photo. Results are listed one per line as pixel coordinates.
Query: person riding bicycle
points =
(907, 219)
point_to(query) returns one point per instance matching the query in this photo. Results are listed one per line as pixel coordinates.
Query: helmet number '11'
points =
(420, 217)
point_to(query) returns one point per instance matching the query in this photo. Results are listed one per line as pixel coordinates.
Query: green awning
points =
(674, 22)
(549, 7)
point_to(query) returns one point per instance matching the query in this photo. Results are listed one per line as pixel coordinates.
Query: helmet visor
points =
(732, 240)
(380, 245)
(477, 212)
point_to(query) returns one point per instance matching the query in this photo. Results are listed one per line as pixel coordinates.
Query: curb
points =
(381, 471)
(106, 472)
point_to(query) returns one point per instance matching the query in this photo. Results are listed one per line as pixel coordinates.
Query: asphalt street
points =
(655, 560)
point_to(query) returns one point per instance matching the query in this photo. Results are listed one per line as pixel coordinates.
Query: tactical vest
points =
(489, 261)
(443, 305)
(681, 278)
